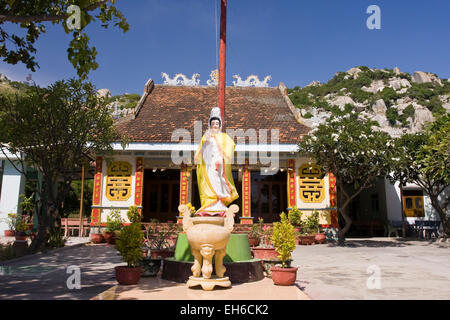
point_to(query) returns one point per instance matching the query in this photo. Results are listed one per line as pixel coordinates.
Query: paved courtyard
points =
(405, 270)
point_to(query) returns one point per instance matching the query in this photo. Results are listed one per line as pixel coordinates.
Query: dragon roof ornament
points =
(251, 81)
(181, 80)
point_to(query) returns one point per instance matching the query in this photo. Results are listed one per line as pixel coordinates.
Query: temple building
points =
(156, 172)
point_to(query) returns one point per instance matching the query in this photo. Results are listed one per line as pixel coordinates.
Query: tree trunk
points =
(348, 223)
(402, 209)
(442, 215)
(47, 217)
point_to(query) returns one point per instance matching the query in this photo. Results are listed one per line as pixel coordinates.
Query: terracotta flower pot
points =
(96, 238)
(163, 253)
(21, 236)
(10, 233)
(320, 238)
(110, 237)
(307, 240)
(127, 275)
(284, 276)
(265, 253)
(253, 241)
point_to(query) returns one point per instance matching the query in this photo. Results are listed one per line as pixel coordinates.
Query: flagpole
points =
(222, 58)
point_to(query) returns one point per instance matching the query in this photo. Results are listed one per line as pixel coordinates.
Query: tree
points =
(424, 159)
(31, 15)
(55, 130)
(354, 152)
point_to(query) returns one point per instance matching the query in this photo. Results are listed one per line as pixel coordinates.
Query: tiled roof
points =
(168, 108)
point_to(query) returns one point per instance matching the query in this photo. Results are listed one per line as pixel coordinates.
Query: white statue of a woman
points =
(214, 175)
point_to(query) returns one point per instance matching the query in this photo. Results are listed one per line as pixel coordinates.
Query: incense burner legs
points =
(208, 238)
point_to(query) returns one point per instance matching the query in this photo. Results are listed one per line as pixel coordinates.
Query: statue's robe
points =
(214, 175)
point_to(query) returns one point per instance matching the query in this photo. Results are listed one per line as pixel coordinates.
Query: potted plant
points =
(320, 237)
(159, 240)
(11, 221)
(265, 251)
(129, 246)
(20, 228)
(295, 218)
(113, 224)
(27, 205)
(96, 235)
(309, 229)
(283, 239)
(133, 214)
(254, 236)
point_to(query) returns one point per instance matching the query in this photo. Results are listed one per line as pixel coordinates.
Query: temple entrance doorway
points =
(161, 195)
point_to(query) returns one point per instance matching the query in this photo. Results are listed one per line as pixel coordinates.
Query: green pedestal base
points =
(238, 249)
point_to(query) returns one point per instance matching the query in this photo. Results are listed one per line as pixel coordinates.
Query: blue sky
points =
(294, 41)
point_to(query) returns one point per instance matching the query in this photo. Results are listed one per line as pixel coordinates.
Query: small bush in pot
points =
(283, 239)
(133, 214)
(11, 221)
(113, 224)
(254, 236)
(129, 246)
(295, 217)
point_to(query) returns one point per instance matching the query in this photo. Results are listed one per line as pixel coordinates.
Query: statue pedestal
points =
(208, 284)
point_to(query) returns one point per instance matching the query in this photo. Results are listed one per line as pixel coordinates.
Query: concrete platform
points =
(155, 288)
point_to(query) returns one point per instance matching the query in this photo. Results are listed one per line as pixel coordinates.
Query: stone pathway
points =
(408, 269)
(405, 269)
(44, 276)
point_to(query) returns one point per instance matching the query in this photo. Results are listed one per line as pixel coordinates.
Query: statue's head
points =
(215, 120)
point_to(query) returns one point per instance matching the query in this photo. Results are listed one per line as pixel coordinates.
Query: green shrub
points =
(389, 94)
(133, 214)
(130, 244)
(114, 221)
(295, 216)
(392, 115)
(311, 223)
(56, 238)
(283, 239)
(308, 115)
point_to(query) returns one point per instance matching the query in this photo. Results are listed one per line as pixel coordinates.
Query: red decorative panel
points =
(139, 182)
(291, 183)
(183, 184)
(97, 194)
(246, 194)
(333, 200)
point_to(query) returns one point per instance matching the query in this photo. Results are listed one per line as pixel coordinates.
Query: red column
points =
(139, 182)
(183, 188)
(292, 198)
(333, 200)
(97, 194)
(246, 194)
(222, 59)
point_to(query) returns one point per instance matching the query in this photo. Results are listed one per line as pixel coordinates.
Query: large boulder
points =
(396, 71)
(105, 93)
(397, 83)
(375, 86)
(341, 101)
(379, 107)
(426, 77)
(421, 117)
(354, 72)
(421, 77)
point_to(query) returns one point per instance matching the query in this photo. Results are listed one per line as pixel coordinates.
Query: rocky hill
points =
(120, 105)
(398, 101)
